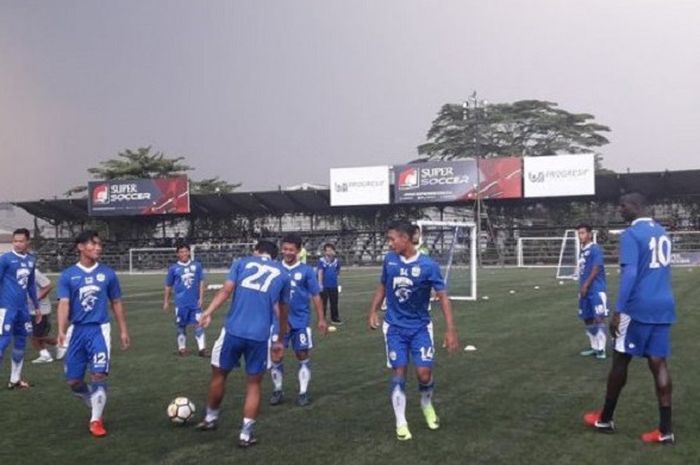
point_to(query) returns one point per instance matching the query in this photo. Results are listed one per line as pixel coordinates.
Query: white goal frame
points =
(154, 249)
(471, 226)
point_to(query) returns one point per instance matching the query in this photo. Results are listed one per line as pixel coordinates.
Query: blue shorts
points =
(402, 343)
(594, 305)
(185, 316)
(13, 323)
(643, 339)
(300, 339)
(228, 350)
(88, 345)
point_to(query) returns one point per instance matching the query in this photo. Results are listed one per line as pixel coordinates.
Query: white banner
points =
(367, 185)
(559, 175)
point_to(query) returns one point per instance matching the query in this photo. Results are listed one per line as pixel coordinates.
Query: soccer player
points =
(593, 301)
(407, 280)
(645, 312)
(186, 277)
(261, 292)
(85, 291)
(16, 284)
(40, 331)
(328, 274)
(304, 288)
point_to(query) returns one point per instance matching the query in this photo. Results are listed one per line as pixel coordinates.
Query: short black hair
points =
(292, 238)
(404, 227)
(86, 236)
(328, 245)
(635, 198)
(23, 231)
(267, 247)
(182, 245)
(585, 226)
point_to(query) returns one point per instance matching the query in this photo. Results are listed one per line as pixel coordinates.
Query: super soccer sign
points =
(139, 197)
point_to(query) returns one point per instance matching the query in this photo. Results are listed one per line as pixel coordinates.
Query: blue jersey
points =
(304, 285)
(331, 271)
(408, 284)
(89, 291)
(649, 297)
(17, 281)
(592, 255)
(260, 284)
(185, 279)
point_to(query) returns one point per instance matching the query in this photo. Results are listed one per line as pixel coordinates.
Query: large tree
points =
(526, 127)
(142, 163)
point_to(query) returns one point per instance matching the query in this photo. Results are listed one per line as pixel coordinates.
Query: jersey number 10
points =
(660, 248)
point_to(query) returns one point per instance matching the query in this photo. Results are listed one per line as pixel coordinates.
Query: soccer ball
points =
(181, 410)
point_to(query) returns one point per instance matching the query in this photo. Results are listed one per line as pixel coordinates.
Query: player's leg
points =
(587, 314)
(324, 302)
(658, 350)
(5, 340)
(76, 362)
(181, 330)
(422, 352)
(303, 343)
(277, 370)
(99, 352)
(257, 361)
(225, 355)
(22, 329)
(601, 312)
(335, 312)
(199, 334)
(397, 349)
(40, 340)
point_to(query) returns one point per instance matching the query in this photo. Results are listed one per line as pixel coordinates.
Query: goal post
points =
(559, 252)
(453, 246)
(153, 259)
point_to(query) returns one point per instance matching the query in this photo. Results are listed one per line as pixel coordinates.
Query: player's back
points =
(260, 283)
(646, 245)
(89, 291)
(16, 270)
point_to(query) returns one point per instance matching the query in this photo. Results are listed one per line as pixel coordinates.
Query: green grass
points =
(517, 400)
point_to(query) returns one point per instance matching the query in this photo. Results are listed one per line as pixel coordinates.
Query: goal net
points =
(560, 252)
(453, 246)
(153, 259)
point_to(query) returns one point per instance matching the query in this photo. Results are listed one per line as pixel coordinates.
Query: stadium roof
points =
(656, 185)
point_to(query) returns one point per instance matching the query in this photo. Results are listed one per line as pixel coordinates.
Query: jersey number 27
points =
(262, 278)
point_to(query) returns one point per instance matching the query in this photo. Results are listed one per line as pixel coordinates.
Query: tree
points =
(141, 163)
(527, 127)
(212, 186)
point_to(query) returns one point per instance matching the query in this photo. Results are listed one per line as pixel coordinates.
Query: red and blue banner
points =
(455, 181)
(127, 197)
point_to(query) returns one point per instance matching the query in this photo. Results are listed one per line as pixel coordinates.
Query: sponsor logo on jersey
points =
(415, 271)
(88, 296)
(22, 277)
(298, 276)
(100, 277)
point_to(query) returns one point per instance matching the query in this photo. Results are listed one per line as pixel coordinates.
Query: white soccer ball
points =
(537, 288)
(332, 329)
(485, 297)
(181, 410)
(511, 291)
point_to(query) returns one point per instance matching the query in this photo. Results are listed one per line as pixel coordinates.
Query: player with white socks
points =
(16, 284)
(186, 278)
(85, 291)
(260, 289)
(593, 300)
(407, 280)
(304, 287)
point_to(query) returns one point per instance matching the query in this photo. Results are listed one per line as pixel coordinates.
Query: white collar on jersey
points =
(638, 220)
(587, 246)
(291, 267)
(184, 264)
(19, 254)
(410, 259)
(85, 269)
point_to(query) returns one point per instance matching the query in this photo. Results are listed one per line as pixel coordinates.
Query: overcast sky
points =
(277, 92)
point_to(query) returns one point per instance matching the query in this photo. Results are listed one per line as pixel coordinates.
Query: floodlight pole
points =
(475, 105)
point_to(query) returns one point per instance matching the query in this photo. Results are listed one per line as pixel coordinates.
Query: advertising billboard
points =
(367, 185)
(157, 196)
(559, 175)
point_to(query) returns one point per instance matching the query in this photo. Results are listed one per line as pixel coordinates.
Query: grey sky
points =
(277, 92)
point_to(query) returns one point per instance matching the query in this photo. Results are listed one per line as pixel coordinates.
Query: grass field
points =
(517, 400)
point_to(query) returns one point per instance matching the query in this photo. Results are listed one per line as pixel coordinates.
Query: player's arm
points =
(451, 340)
(587, 284)
(628, 277)
(201, 293)
(166, 298)
(31, 291)
(62, 316)
(44, 291)
(220, 297)
(120, 317)
(321, 322)
(377, 298)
